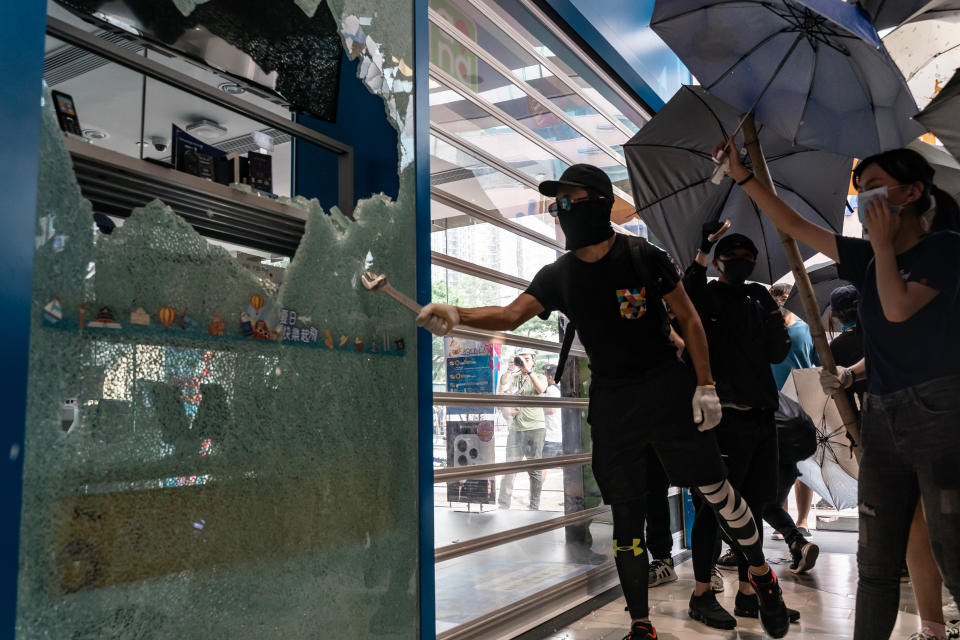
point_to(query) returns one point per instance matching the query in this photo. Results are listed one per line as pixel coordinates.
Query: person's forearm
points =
(489, 318)
(696, 342)
(701, 258)
(860, 369)
(890, 286)
(539, 382)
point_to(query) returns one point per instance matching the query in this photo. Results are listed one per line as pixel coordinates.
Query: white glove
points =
(707, 411)
(832, 383)
(438, 319)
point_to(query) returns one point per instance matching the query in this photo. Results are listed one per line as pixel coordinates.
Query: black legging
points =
(630, 554)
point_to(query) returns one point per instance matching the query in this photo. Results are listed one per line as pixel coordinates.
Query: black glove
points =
(708, 229)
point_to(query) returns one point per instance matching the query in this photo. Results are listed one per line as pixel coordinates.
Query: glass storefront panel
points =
(492, 429)
(569, 62)
(474, 585)
(463, 176)
(525, 67)
(478, 507)
(461, 118)
(490, 246)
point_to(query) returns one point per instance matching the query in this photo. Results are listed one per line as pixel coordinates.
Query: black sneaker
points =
(804, 555)
(773, 612)
(728, 560)
(707, 610)
(641, 631)
(749, 607)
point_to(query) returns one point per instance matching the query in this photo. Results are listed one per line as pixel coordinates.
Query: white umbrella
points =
(927, 52)
(945, 166)
(832, 471)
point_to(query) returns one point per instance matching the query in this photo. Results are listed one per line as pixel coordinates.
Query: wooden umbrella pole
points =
(804, 288)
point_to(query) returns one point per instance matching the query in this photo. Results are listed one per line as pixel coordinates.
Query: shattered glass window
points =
(221, 442)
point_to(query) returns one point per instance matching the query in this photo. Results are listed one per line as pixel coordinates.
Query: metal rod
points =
(469, 268)
(512, 339)
(467, 547)
(450, 399)
(452, 474)
(804, 288)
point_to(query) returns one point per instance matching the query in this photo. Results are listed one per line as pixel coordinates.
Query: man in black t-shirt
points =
(641, 396)
(746, 334)
(847, 348)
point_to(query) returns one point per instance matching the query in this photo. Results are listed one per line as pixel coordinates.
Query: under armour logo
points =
(635, 547)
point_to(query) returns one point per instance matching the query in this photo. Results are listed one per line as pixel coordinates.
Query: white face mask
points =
(865, 197)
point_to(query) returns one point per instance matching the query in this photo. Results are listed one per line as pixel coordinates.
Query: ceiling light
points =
(232, 88)
(206, 129)
(95, 134)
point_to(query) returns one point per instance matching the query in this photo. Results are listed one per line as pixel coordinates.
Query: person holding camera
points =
(528, 428)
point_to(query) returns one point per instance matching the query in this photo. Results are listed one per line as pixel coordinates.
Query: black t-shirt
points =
(847, 350)
(613, 311)
(925, 346)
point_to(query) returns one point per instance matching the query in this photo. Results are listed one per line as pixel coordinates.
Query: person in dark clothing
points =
(642, 398)
(659, 538)
(847, 348)
(908, 276)
(746, 334)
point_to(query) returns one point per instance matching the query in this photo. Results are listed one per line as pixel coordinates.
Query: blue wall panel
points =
(21, 67)
(362, 123)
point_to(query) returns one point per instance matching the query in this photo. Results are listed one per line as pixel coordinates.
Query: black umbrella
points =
(890, 13)
(942, 116)
(824, 279)
(669, 162)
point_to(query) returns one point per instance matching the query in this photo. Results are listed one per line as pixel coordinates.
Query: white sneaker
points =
(776, 536)
(716, 580)
(661, 572)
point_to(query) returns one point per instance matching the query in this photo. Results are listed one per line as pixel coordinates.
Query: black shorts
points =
(628, 417)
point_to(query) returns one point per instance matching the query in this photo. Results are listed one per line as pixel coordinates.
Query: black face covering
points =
(586, 223)
(737, 270)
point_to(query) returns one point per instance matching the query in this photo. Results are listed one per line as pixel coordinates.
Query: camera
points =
(159, 143)
(517, 360)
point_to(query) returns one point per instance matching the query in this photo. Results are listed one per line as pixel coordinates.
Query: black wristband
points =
(750, 177)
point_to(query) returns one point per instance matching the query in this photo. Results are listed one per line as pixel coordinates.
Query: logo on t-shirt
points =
(633, 302)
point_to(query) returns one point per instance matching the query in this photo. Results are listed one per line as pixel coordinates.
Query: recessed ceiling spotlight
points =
(95, 134)
(232, 88)
(206, 129)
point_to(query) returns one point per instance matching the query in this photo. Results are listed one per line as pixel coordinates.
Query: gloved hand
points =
(707, 411)
(438, 319)
(708, 229)
(832, 383)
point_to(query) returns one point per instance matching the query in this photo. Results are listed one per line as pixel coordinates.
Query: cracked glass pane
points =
(222, 443)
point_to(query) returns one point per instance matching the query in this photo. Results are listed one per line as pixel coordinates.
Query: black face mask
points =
(737, 270)
(586, 223)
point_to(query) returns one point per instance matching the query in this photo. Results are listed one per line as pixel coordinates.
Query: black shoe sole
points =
(793, 614)
(808, 559)
(712, 624)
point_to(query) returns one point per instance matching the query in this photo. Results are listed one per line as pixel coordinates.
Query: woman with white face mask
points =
(909, 283)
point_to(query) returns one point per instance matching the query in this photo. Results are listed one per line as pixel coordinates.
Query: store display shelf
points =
(116, 184)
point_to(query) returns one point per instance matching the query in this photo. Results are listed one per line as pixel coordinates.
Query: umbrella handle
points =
(722, 230)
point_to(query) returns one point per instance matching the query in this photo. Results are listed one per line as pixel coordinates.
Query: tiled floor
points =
(825, 599)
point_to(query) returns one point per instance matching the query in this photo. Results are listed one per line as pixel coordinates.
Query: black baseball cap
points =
(843, 298)
(586, 176)
(735, 241)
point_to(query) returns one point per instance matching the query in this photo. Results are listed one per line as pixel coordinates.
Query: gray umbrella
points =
(942, 116)
(945, 166)
(824, 279)
(890, 13)
(669, 161)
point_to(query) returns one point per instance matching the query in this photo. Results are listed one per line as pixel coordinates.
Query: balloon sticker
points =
(166, 315)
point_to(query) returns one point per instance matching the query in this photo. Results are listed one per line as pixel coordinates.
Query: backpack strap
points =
(568, 334)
